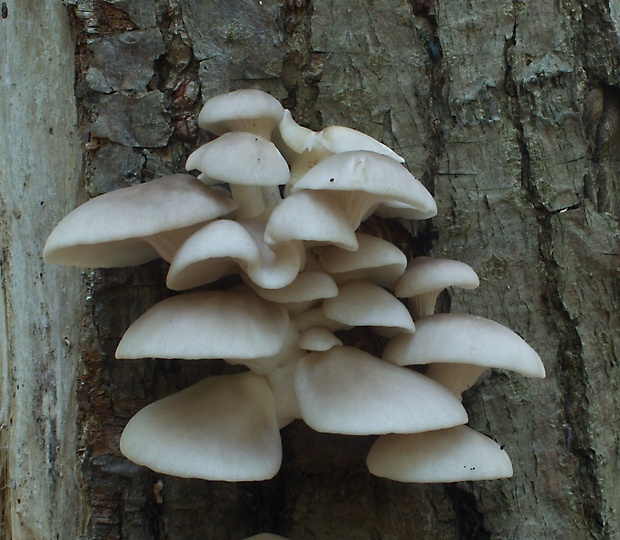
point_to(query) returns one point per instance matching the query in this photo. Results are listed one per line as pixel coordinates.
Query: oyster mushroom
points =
(134, 225)
(222, 428)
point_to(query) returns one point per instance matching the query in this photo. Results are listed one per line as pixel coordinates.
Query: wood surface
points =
(509, 112)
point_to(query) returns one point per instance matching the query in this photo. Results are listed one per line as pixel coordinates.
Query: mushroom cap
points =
(119, 228)
(346, 390)
(217, 324)
(318, 339)
(307, 289)
(215, 250)
(367, 173)
(240, 158)
(248, 110)
(362, 303)
(222, 428)
(467, 339)
(448, 455)
(313, 217)
(427, 274)
(304, 148)
(375, 260)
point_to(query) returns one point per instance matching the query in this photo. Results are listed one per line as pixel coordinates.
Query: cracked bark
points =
(508, 111)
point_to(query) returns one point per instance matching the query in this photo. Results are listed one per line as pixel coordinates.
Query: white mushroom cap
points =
(308, 287)
(240, 158)
(467, 339)
(318, 339)
(362, 180)
(311, 216)
(305, 148)
(134, 225)
(222, 428)
(217, 324)
(249, 110)
(221, 246)
(345, 390)
(426, 277)
(375, 260)
(448, 455)
(455, 377)
(362, 303)
(249, 163)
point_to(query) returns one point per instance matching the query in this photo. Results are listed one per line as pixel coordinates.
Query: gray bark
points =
(509, 112)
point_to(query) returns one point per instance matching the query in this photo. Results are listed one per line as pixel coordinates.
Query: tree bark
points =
(509, 112)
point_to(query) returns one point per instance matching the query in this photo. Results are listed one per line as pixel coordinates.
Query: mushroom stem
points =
(250, 200)
(167, 243)
(422, 305)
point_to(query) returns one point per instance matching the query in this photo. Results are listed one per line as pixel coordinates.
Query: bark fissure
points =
(572, 372)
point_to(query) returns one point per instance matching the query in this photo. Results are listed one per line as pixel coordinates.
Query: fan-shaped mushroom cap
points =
(467, 339)
(362, 180)
(361, 303)
(136, 224)
(426, 277)
(305, 148)
(345, 390)
(240, 158)
(217, 324)
(218, 248)
(222, 428)
(249, 110)
(448, 455)
(375, 260)
(311, 216)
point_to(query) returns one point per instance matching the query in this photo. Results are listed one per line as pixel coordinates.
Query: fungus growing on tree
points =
(310, 280)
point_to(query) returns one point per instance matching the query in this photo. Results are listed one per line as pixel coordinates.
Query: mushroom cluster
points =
(280, 206)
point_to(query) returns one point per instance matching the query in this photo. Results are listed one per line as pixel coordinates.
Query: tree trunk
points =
(509, 112)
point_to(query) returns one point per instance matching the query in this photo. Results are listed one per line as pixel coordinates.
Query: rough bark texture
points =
(508, 111)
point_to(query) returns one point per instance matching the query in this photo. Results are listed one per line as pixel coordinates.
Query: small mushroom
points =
(362, 303)
(247, 162)
(426, 277)
(226, 247)
(311, 216)
(466, 339)
(222, 428)
(134, 225)
(248, 110)
(448, 455)
(318, 339)
(345, 390)
(305, 148)
(362, 180)
(375, 260)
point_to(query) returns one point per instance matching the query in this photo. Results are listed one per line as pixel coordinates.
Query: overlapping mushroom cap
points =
(136, 224)
(311, 280)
